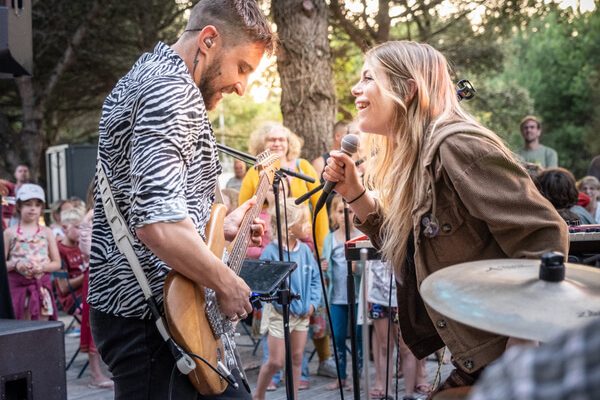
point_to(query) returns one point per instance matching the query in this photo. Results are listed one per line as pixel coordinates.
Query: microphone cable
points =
(327, 309)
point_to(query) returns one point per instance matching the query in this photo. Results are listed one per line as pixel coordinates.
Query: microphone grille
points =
(350, 143)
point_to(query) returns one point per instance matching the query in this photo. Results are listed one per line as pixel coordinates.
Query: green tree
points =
(557, 59)
(80, 50)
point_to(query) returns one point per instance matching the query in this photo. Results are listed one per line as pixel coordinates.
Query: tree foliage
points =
(557, 60)
(526, 56)
(80, 50)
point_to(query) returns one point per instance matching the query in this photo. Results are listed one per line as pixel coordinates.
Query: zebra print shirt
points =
(157, 147)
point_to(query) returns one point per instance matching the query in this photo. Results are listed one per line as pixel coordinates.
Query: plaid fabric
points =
(566, 368)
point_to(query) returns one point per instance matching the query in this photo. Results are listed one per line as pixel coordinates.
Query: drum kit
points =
(519, 298)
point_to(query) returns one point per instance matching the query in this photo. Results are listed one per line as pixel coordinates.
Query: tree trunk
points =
(304, 66)
(31, 136)
(34, 100)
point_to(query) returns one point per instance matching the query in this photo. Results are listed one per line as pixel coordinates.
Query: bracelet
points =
(357, 197)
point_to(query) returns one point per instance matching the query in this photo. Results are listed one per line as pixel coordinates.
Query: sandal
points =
(107, 384)
(334, 385)
(271, 387)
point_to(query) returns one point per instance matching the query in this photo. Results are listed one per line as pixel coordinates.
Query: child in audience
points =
(303, 281)
(71, 258)
(335, 264)
(86, 342)
(57, 208)
(31, 256)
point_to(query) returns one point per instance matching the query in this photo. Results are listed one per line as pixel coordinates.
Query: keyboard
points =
(584, 239)
(355, 245)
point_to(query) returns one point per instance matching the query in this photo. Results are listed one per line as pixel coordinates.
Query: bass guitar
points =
(192, 310)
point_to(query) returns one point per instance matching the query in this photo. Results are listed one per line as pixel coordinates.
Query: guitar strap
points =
(124, 241)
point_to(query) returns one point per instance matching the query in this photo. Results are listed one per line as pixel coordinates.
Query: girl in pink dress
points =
(31, 256)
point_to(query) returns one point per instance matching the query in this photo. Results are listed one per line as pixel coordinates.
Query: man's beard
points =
(207, 84)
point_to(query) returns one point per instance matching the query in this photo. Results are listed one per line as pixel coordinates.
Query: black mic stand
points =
(247, 158)
(351, 295)
(284, 295)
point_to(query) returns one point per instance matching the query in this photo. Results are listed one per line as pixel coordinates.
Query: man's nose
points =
(240, 88)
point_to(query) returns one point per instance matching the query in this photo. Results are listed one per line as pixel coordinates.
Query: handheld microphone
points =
(349, 147)
(307, 195)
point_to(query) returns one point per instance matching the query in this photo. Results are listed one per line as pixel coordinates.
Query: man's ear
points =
(207, 38)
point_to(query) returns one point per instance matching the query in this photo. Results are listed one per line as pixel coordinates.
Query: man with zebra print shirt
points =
(159, 152)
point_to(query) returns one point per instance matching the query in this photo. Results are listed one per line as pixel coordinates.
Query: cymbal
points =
(507, 297)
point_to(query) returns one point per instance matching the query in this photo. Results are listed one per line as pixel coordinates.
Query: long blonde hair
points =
(393, 168)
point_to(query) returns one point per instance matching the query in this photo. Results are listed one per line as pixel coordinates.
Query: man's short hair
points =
(530, 118)
(235, 20)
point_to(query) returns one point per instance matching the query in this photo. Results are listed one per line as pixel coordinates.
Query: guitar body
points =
(185, 304)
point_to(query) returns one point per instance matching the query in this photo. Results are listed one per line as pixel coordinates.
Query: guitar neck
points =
(242, 240)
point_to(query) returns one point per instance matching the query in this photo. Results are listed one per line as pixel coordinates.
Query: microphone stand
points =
(249, 159)
(351, 295)
(284, 295)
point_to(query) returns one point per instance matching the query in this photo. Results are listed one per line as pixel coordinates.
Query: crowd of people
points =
(35, 251)
(437, 188)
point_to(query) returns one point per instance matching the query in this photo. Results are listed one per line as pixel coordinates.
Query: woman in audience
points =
(591, 187)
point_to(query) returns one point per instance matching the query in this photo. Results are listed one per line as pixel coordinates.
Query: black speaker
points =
(32, 360)
(16, 55)
(69, 170)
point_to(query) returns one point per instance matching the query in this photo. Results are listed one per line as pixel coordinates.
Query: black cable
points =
(205, 361)
(397, 358)
(171, 381)
(324, 290)
(285, 222)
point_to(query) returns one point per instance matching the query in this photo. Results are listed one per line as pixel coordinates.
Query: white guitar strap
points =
(124, 241)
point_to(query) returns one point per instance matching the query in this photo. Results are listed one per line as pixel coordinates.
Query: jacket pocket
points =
(457, 240)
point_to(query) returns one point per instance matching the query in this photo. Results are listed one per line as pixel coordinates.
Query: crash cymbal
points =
(507, 297)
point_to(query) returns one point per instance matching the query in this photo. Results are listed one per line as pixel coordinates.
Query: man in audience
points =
(239, 171)
(21, 176)
(533, 151)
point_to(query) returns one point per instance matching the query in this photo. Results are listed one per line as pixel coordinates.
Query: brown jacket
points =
(486, 207)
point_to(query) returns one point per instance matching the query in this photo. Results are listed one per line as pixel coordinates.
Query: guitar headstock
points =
(265, 164)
